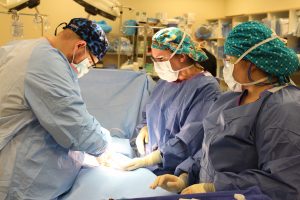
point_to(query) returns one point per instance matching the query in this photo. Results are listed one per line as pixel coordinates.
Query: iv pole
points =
(120, 31)
(41, 16)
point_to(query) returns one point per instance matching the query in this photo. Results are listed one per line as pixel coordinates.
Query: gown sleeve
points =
(52, 92)
(189, 139)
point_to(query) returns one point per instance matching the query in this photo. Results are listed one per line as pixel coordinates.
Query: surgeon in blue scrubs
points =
(172, 127)
(252, 134)
(45, 127)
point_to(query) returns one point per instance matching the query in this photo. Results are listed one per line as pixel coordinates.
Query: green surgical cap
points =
(272, 57)
(169, 38)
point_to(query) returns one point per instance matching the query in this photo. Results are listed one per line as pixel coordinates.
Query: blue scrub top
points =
(174, 117)
(256, 144)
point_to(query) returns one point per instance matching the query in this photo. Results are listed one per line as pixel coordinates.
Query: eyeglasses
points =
(94, 63)
(230, 59)
(160, 58)
(153, 59)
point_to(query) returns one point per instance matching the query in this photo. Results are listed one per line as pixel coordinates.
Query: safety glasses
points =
(230, 59)
(159, 59)
(94, 63)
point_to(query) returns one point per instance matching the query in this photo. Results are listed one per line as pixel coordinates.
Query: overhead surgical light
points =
(109, 9)
(19, 4)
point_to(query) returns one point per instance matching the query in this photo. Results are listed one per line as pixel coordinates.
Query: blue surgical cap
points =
(92, 33)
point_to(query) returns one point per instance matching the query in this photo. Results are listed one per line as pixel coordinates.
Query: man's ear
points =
(80, 47)
(80, 44)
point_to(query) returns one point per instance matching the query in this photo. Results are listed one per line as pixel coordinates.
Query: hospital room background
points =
(209, 20)
(126, 74)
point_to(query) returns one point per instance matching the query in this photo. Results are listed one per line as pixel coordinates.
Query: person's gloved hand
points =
(151, 159)
(105, 158)
(141, 140)
(170, 182)
(199, 188)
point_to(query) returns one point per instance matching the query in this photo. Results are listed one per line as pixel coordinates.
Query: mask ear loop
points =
(76, 52)
(251, 79)
(269, 78)
(179, 45)
(55, 32)
(73, 56)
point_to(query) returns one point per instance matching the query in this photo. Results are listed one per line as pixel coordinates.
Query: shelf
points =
(279, 14)
(258, 17)
(221, 38)
(147, 26)
(148, 36)
(147, 54)
(122, 53)
(271, 18)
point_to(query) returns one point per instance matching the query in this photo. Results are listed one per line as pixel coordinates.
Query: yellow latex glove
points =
(199, 188)
(151, 159)
(170, 182)
(142, 139)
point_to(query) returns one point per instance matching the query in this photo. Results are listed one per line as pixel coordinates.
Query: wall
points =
(202, 8)
(66, 10)
(236, 7)
(63, 10)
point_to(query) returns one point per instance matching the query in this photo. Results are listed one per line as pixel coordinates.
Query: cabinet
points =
(120, 51)
(140, 51)
(143, 47)
(286, 23)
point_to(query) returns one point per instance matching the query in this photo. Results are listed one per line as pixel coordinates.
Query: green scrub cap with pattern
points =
(170, 38)
(273, 57)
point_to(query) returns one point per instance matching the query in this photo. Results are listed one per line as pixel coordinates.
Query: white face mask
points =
(164, 69)
(232, 83)
(82, 67)
(228, 77)
(229, 67)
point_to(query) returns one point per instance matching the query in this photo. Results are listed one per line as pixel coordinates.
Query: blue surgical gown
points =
(254, 144)
(174, 115)
(44, 124)
(191, 166)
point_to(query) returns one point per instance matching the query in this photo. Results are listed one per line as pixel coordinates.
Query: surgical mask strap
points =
(73, 56)
(255, 46)
(188, 67)
(255, 82)
(76, 52)
(258, 82)
(179, 45)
